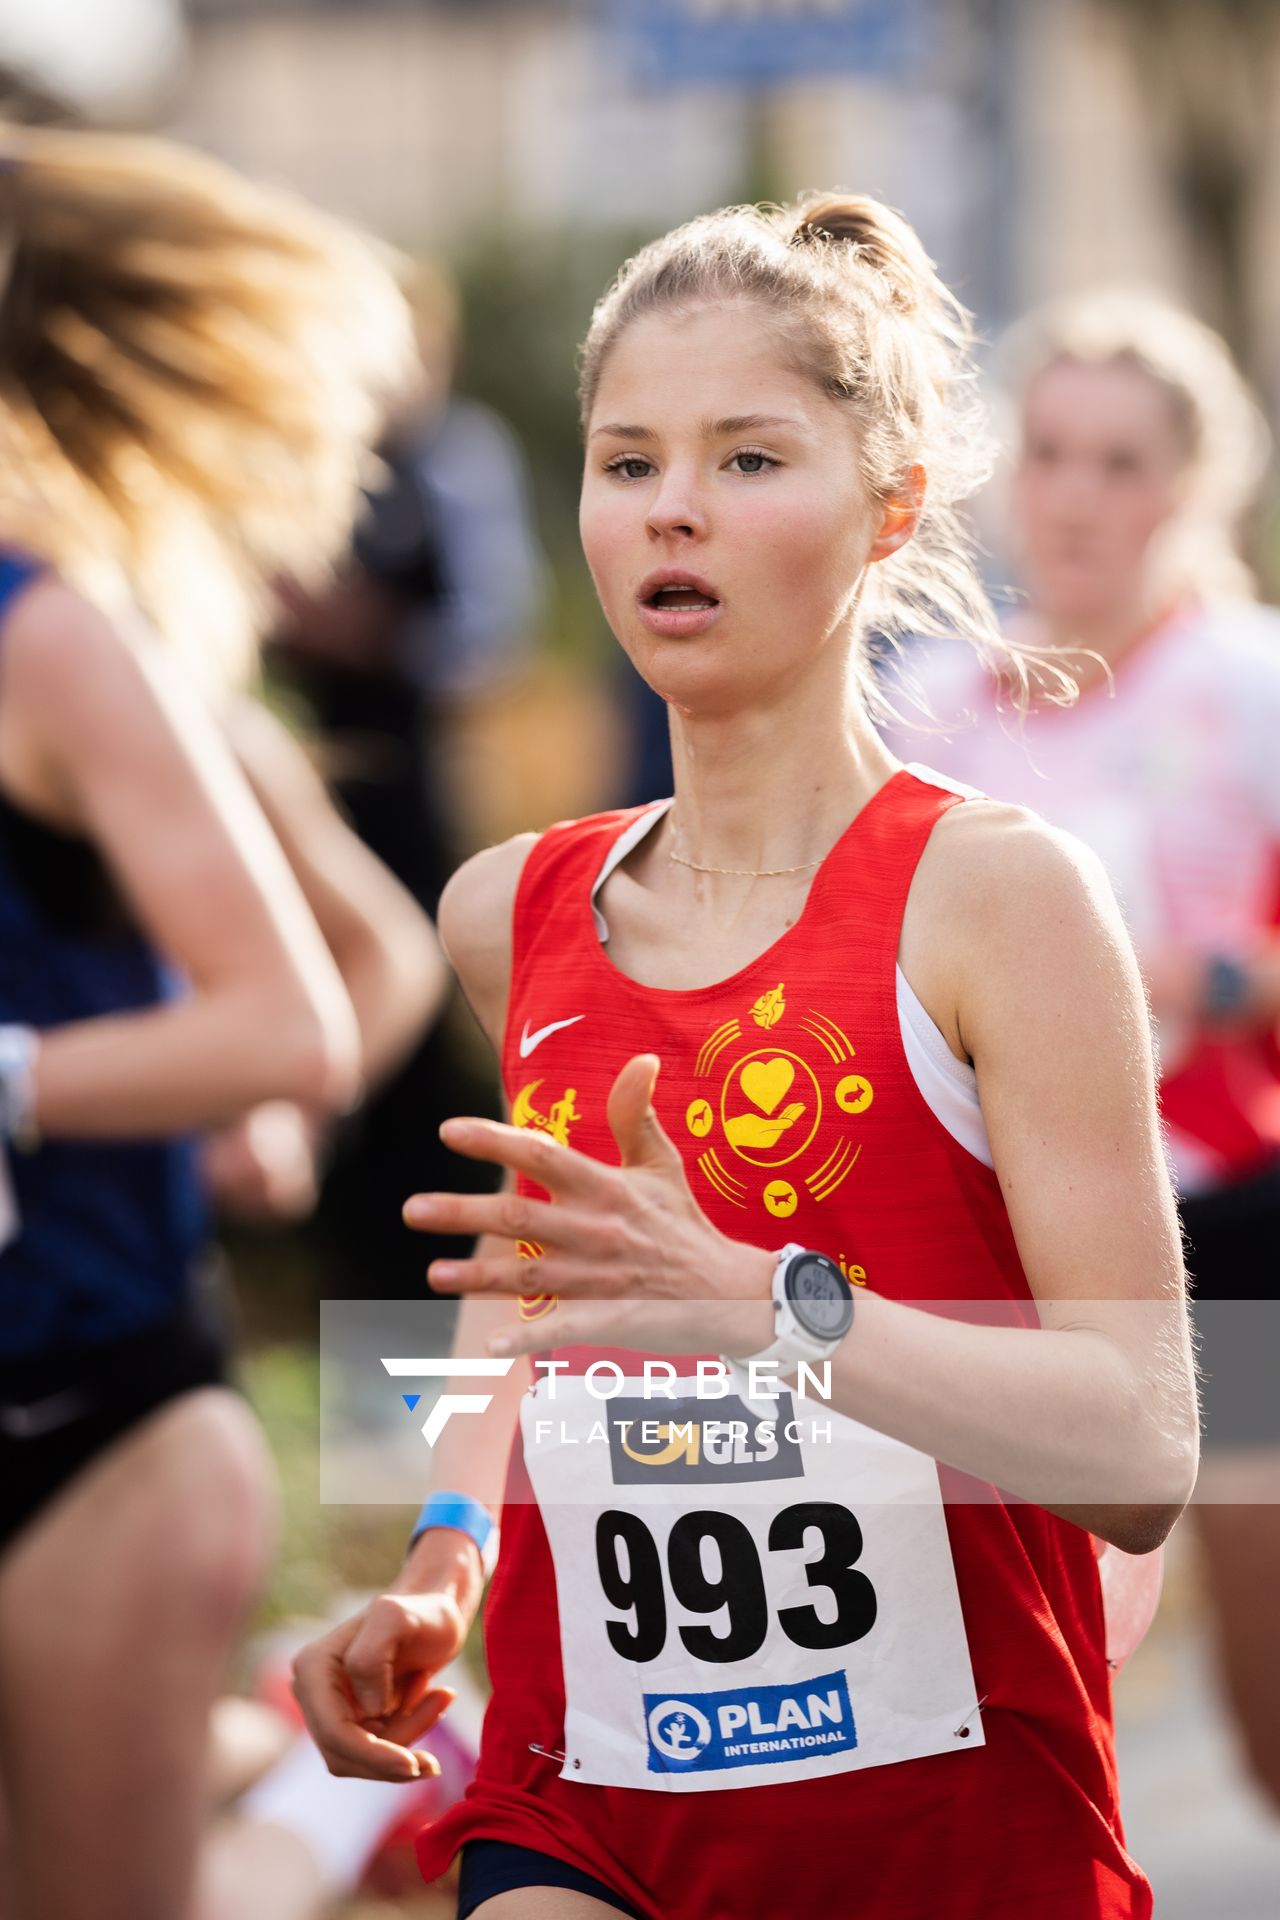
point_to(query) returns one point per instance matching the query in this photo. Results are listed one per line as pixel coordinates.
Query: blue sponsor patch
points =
(749, 1726)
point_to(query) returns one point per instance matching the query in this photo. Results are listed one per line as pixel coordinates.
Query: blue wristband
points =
(465, 1515)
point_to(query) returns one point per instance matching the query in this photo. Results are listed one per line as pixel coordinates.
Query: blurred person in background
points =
(189, 372)
(1139, 451)
(436, 605)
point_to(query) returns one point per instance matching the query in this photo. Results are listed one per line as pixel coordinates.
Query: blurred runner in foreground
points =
(1140, 450)
(189, 371)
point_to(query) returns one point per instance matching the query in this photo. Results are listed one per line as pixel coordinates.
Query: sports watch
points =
(812, 1313)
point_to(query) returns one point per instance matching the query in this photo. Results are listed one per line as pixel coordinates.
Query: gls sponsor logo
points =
(690, 1443)
(447, 1404)
(749, 1726)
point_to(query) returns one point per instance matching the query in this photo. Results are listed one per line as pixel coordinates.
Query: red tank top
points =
(1027, 1824)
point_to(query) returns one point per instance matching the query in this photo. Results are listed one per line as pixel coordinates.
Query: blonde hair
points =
(859, 308)
(191, 369)
(1220, 429)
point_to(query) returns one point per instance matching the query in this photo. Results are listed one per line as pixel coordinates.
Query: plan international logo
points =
(749, 1726)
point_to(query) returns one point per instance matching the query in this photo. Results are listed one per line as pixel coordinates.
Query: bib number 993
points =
(632, 1577)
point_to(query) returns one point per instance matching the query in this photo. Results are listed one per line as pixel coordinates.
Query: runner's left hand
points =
(628, 1250)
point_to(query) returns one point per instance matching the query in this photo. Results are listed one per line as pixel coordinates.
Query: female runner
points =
(1140, 450)
(187, 375)
(803, 1668)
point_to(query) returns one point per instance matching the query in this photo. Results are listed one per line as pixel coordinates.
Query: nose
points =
(676, 507)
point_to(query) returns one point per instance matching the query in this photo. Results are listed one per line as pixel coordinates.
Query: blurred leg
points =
(246, 1740)
(1240, 1547)
(119, 1607)
(253, 1870)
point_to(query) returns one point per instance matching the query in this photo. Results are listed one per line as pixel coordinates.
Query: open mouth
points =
(680, 600)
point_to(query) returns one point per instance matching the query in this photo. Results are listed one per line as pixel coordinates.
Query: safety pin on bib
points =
(548, 1754)
(963, 1731)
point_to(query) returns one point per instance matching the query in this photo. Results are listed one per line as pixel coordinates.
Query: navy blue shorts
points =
(490, 1867)
(1232, 1238)
(60, 1411)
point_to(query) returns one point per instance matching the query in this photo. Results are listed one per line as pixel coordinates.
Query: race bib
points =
(748, 1592)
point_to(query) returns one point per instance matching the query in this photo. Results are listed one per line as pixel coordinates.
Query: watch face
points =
(820, 1296)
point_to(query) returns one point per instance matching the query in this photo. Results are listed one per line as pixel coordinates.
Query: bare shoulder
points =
(1006, 914)
(79, 672)
(475, 926)
(1008, 858)
(477, 903)
(73, 687)
(54, 638)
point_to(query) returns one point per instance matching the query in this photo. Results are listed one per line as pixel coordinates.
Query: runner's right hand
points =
(365, 1687)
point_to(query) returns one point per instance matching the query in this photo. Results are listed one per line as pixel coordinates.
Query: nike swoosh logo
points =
(528, 1041)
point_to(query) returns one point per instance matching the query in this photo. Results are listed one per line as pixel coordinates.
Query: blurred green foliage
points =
(324, 1551)
(526, 304)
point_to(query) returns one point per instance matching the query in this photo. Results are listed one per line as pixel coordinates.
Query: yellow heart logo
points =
(767, 1083)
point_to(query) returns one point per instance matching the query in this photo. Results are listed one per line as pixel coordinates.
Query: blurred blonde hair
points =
(191, 368)
(1220, 429)
(859, 308)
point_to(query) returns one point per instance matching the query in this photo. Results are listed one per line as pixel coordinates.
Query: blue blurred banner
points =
(699, 42)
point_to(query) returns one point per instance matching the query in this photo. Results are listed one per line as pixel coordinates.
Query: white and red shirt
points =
(1171, 774)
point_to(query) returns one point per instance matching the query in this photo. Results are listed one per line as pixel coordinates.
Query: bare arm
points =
(384, 944)
(1022, 954)
(366, 1687)
(475, 925)
(104, 741)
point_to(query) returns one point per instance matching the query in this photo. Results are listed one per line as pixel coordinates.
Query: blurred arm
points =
(383, 943)
(471, 1455)
(108, 742)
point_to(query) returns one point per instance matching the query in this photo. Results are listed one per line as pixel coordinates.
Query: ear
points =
(900, 515)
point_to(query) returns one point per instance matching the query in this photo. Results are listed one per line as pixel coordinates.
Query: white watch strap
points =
(786, 1343)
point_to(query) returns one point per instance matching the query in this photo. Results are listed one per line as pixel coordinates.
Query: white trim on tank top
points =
(949, 1087)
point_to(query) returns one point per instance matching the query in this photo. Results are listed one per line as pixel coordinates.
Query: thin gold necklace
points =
(744, 873)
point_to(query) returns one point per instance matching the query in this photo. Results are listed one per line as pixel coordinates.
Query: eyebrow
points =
(710, 429)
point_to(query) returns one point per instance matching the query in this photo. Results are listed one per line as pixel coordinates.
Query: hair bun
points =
(883, 239)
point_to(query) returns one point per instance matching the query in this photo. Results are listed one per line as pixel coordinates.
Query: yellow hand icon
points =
(762, 1130)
